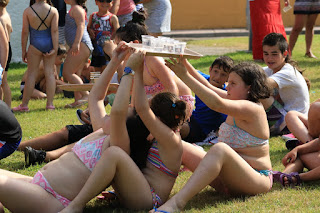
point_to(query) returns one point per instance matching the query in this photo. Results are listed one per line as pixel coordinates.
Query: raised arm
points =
(99, 90)
(201, 79)
(241, 109)
(157, 128)
(157, 68)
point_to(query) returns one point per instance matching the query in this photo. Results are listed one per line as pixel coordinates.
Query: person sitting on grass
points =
(290, 87)
(303, 128)
(60, 181)
(303, 156)
(243, 147)
(205, 122)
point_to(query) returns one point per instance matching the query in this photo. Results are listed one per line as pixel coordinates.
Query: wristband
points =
(127, 71)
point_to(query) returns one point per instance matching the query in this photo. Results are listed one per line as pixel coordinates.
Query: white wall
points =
(15, 9)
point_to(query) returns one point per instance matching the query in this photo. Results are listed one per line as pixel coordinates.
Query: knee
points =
(290, 116)
(219, 149)
(297, 29)
(114, 152)
(314, 109)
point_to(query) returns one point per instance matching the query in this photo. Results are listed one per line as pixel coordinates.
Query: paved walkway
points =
(220, 33)
(185, 35)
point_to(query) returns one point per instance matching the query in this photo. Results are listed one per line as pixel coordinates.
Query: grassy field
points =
(302, 199)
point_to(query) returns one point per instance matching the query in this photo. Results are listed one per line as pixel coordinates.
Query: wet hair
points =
(169, 108)
(134, 29)
(254, 76)
(139, 145)
(62, 50)
(273, 39)
(224, 62)
(34, 1)
(4, 3)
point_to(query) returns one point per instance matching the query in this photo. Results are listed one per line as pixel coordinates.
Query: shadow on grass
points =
(212, 199)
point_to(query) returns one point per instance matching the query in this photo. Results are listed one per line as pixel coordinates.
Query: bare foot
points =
(170, 206)
(310, 55)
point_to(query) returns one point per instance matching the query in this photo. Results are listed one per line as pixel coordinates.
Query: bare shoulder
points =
(54, 10)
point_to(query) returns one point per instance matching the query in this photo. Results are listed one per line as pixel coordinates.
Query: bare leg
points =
(314, 119)
(297, 28)
(47, 142)
(191, 156)
(48, 63)
(115, 166)
(72, 65)
(297, 123)
(21, 196)
(6, 89)
(310, 22)
(55, 154)
(36, 94)
(227, 164)
(34, 58)
(296, 166)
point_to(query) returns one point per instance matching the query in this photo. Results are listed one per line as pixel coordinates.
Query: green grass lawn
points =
(302, 199)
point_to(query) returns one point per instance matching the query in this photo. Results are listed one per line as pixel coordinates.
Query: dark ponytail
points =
(139, 145)
(134, 29)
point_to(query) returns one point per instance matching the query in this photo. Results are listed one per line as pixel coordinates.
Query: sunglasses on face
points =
(108, 1)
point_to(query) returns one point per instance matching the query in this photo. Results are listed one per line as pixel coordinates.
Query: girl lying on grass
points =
(239, 164)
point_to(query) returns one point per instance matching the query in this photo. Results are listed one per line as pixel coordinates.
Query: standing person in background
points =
(305, 13)
(6, 23)
(265, 18)
(78, 39)
(159, 16)
(40, 20)
(101, 27)
(123, 9)
(62, 10)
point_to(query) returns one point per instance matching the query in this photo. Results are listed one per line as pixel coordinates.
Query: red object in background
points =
(265, 18)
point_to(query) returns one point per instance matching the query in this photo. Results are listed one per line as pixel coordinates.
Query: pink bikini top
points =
(156, 87)
(89, 152)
